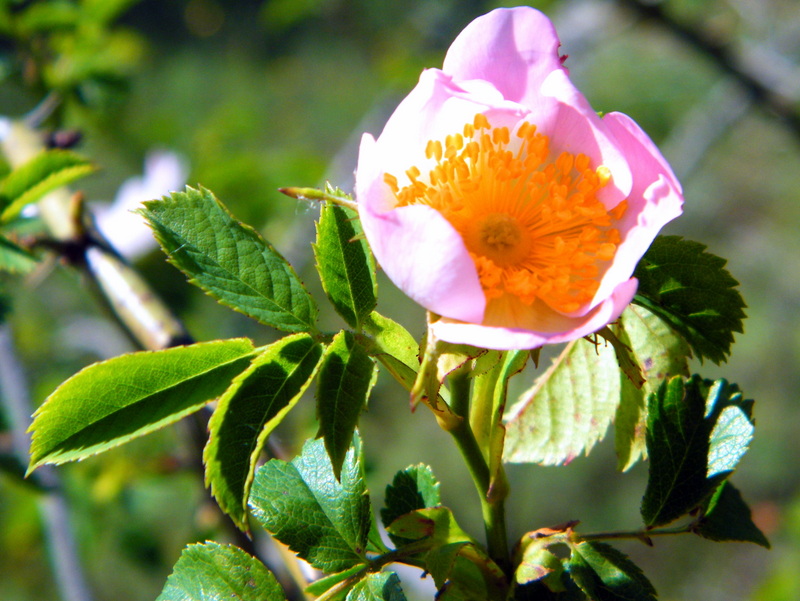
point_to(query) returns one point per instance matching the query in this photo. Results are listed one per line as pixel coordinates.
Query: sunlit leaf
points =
(112, 402)
(229, 260)
(661, 353)
(697, 431)
(45, 172)
(345, 264)
(568, 409)
(214, 572)
(255, 403)
(325, 520)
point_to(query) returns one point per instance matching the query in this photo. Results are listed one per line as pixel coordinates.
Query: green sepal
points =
(112, 402)
(254, 404)
(345, 264)
(229, 260)
(691, 290)
(213, 572)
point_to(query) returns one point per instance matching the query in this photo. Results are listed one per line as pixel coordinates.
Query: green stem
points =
(493, 510)
(642, 535)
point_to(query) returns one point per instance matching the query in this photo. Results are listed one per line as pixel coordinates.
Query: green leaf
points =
(345, 264)
(413, 488)
(214, 572)
(697, 431)
(15, 259)
(605, 574)
(383, 586)
(229, 260)
(692, 291)
(112, 402)
(568, 409)
(661, 353)
(345, 380)
(539, 562)
(325, 520)
(463, 572)
(728, 518)
(45, 172)
(436, 524)
(255, 403)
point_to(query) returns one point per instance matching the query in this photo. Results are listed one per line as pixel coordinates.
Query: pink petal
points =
(501, 338)
(655, 200)
(418, 249)
(435, 108)
(513, 48)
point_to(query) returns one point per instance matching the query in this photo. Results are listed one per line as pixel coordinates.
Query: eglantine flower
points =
(498, 199)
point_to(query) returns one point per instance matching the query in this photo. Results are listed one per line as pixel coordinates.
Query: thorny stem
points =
(492, 509)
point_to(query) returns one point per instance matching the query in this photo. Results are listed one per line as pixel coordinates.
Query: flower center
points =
(534, 226)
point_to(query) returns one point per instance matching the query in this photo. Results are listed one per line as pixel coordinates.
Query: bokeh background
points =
(254, 95)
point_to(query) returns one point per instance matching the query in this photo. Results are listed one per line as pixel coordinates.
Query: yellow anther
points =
(533, 225)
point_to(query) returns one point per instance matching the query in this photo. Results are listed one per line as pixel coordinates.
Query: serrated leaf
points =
(695, 438)
(567, 410)
(45, 172)
(383, 586)
(345, 264)
(463, 572)
(15, 259)
(605, 574)
(661, 353)
(112, 402)
(214, 572)
(436, 524)
(229, 260)
(692, 291)
(346, 378)
(728, 518)
(413, 488)
(537, 562)
(255, 403)
(325, 520)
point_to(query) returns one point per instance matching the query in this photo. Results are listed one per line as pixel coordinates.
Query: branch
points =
(727, 59)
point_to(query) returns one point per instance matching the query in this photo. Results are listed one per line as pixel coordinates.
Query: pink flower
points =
(497, 198)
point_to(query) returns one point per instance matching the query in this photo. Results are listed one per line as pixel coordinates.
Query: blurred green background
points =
(261, 94)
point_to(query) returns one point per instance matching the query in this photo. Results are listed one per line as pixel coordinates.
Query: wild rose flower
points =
(499, 200)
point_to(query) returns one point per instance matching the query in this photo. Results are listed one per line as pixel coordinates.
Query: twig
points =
(53, 505)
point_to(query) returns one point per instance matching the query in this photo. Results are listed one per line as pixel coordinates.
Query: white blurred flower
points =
(164, 172)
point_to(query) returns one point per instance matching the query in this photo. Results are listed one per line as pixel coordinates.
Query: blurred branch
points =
(53, 506)
(750, 76)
